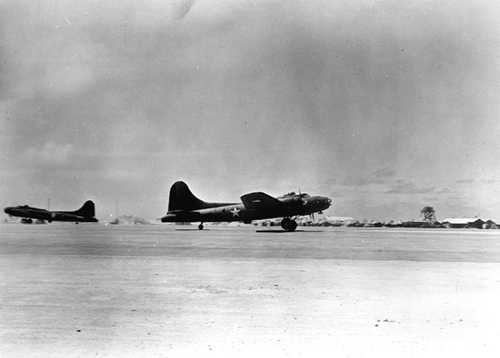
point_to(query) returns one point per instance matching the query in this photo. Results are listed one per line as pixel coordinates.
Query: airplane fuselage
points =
(25, 211)
(238, 211)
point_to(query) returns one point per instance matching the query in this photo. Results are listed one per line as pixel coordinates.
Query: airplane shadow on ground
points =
(193, 229)
(283, 231)
(261, 231)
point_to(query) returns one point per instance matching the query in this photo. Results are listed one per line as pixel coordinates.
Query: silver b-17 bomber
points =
(183, 206)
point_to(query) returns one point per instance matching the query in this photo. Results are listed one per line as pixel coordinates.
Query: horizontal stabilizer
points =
(260, 201)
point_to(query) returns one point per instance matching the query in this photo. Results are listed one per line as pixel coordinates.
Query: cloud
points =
(386, 172)
(68, 79)
(444, 191)
(50, 153)
(464, 181)
(379, 176)
(406, 187)
(306, 92)
(491, 181)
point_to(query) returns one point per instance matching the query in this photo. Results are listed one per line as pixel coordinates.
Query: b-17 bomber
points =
(184, 206)
(85, 214)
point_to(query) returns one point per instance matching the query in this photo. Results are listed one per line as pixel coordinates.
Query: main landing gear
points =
(288, 224)
(200, 227)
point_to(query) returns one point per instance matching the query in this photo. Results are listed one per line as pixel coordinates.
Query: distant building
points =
(490, 224)
(459, 223)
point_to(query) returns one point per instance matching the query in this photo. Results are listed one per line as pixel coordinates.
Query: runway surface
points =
(125, 291)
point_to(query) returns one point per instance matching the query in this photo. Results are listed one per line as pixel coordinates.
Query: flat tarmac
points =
(153, 291)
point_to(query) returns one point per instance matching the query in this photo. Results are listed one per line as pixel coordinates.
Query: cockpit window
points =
(294, 195)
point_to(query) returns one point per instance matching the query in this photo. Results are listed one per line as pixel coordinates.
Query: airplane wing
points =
(260, 200)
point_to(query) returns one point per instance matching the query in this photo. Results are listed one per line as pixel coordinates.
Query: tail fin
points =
(87, 210)
(181, 198)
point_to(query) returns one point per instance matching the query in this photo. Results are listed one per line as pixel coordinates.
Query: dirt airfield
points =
(153, 291)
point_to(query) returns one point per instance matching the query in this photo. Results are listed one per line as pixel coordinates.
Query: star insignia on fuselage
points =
(235, 211)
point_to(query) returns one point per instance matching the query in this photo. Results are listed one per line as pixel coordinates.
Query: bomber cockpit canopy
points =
(293, 195)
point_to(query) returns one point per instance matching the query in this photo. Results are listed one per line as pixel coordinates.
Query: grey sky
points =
(386, 106)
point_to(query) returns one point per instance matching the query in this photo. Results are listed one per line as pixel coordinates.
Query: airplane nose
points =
(319, 203)
(7, 210)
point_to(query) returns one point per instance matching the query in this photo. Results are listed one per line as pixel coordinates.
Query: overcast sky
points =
(385, 106)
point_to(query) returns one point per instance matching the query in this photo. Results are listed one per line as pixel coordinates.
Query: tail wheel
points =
(200, 227)
(288, 224)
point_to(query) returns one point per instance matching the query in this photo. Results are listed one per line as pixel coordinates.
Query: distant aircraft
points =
(183, 206)
(85, 214)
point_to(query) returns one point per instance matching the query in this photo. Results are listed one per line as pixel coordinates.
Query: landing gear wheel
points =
(200, 227)
(288, 224)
